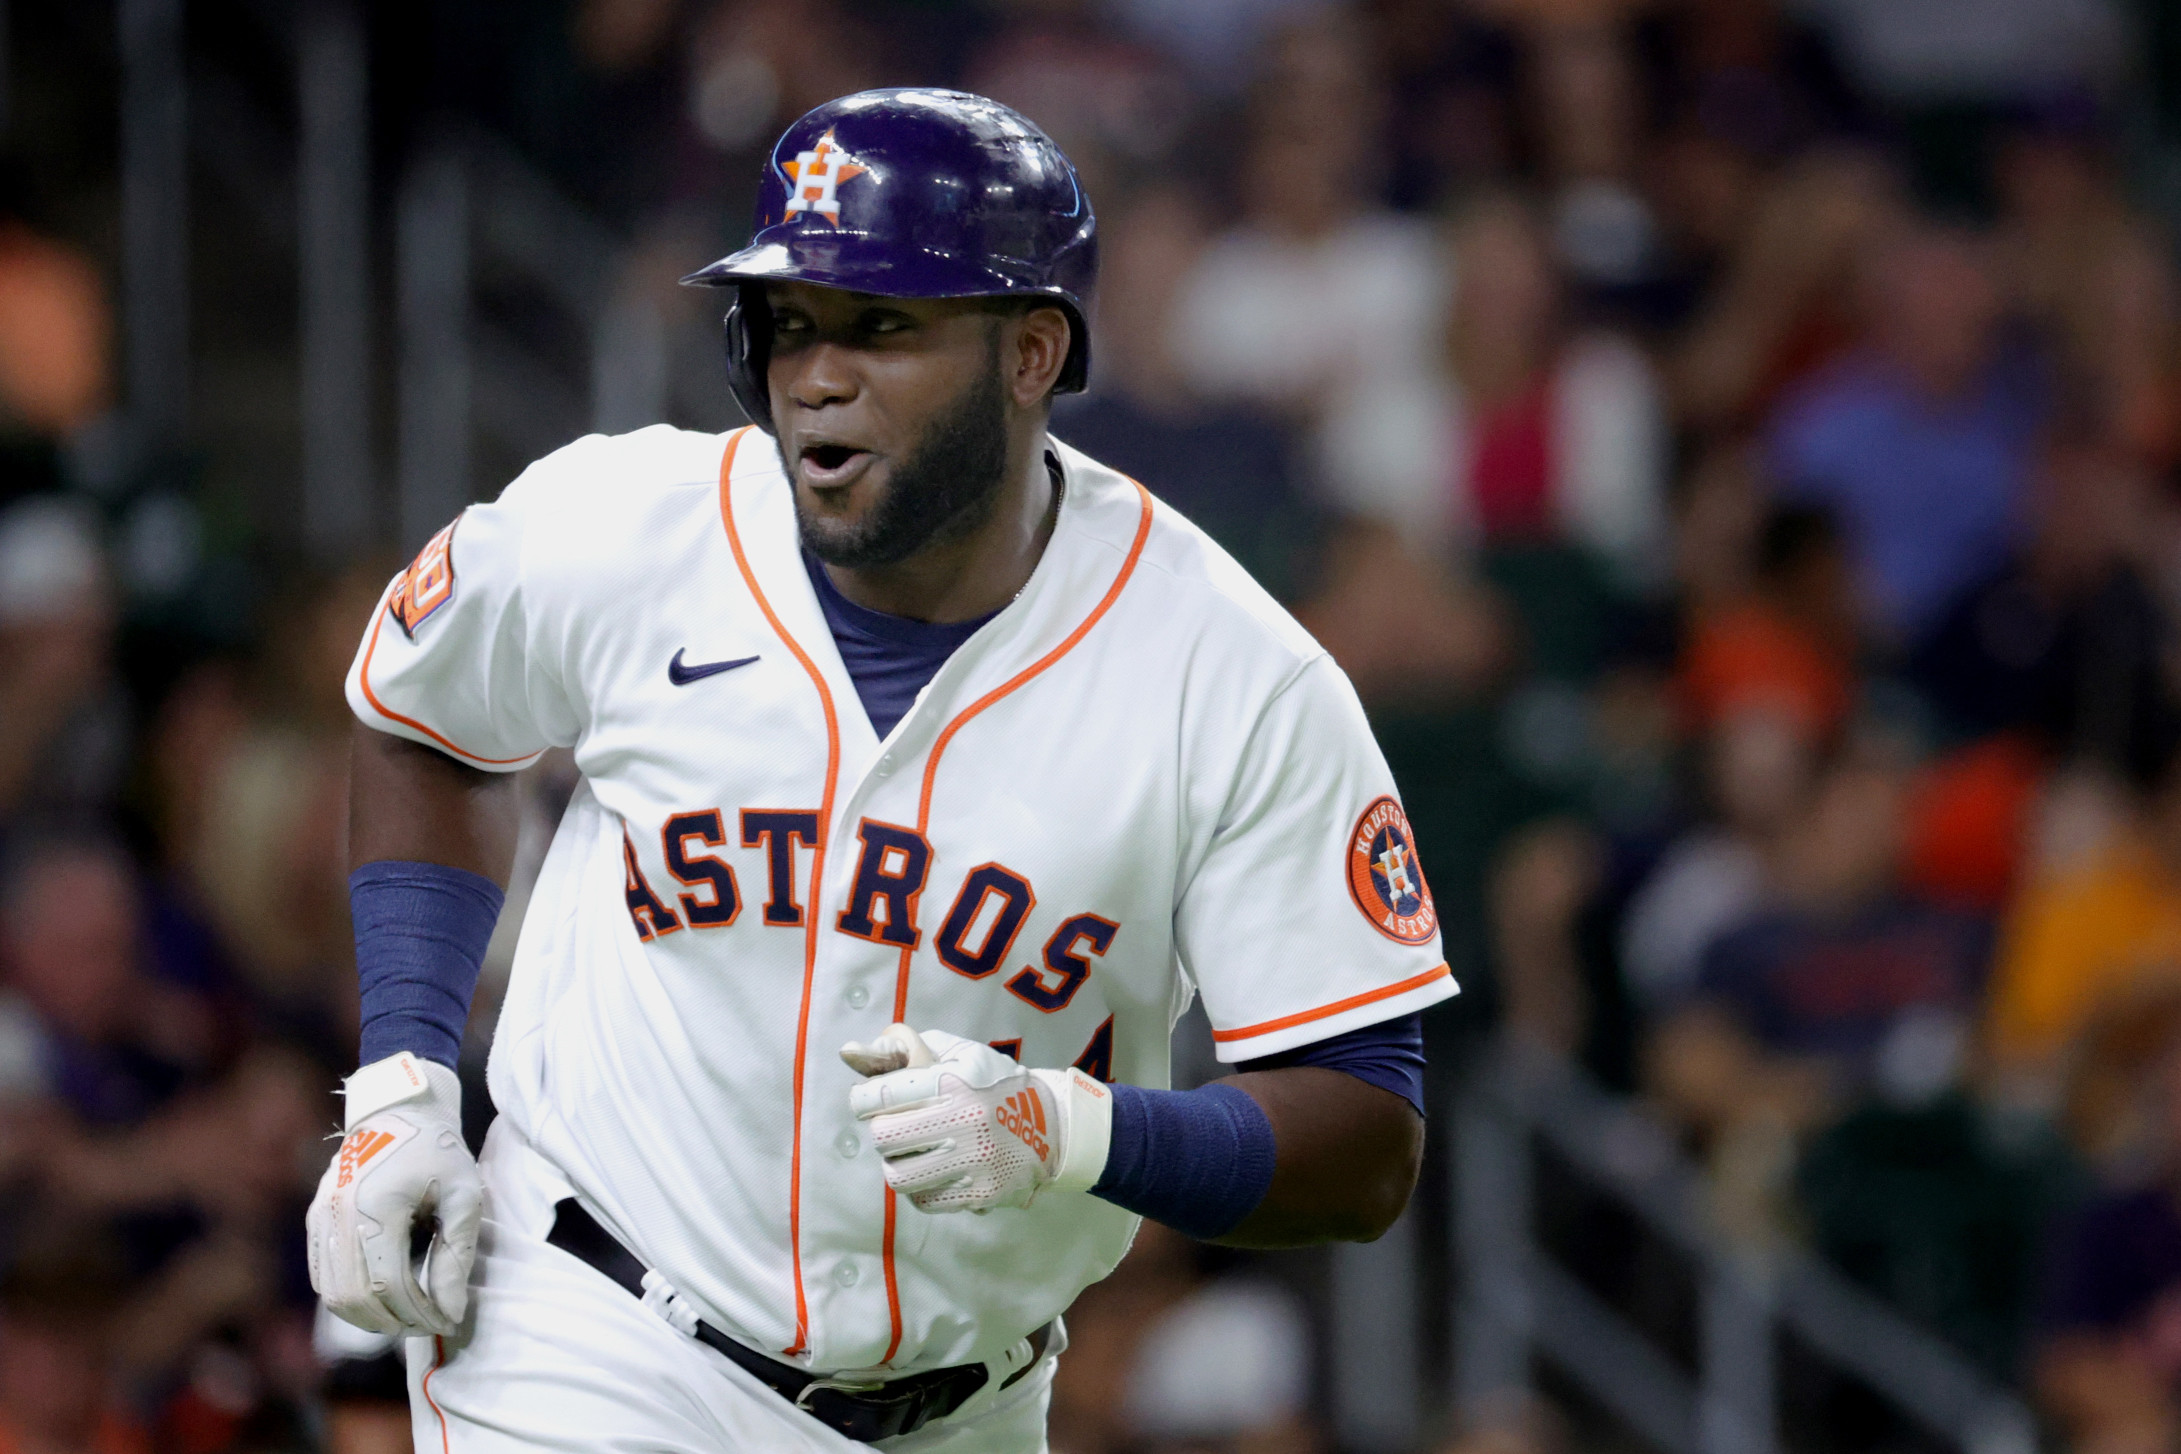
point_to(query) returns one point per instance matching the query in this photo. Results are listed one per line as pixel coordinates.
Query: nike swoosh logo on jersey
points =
(682, 676)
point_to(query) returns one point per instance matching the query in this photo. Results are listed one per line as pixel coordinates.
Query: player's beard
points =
(943, 490)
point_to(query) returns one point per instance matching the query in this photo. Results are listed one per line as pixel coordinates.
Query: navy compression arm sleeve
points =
(1389, 1055)
(421, 932)
(1200, 1161)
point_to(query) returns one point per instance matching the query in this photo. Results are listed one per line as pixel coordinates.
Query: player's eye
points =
(882, 323)
(789, 323)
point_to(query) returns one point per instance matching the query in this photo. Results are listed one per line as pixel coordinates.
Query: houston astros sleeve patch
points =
(1385, 878)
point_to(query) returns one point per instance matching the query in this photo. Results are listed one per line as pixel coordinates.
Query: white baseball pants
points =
(558, 1357)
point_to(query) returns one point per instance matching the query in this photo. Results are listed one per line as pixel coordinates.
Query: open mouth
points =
(832, 464)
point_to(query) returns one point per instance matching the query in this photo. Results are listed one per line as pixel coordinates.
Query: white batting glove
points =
(961, 1127)
(403, 1165)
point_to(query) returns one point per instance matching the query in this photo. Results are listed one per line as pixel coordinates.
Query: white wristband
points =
(399, 1078)
(1086, 1137)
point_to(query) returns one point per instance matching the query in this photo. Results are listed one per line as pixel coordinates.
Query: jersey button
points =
(886, 765)
(857, 997)
(846, 1274)
(848, 1143)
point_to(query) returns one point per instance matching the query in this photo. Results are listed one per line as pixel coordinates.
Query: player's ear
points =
(1040, 338)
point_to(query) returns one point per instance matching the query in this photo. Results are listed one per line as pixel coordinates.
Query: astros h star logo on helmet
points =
(1385, 878)
(817, 175)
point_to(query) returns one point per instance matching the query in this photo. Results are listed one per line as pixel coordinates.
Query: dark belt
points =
(863, 1412)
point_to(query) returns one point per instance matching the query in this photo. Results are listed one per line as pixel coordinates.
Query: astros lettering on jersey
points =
(1139, 780)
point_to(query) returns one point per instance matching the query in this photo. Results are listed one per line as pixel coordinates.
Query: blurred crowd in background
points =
(1734, 448)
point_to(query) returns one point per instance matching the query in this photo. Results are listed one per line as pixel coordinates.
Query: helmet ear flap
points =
(1075, 369)
(749, 349)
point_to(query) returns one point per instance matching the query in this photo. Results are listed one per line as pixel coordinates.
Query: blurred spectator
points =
(1921, 441)
(2087, 933)
(1790, 648)
(63, 726)
(250, 774)
(1549, 451)
(2123, 337)
(1230, 467)
(1551, 437)
(201, 1202)
(1719, 513)
(1831, 974)
(2092, 274)
(1320, 303)
(371, 1426)
(116, 1042)
(2062, 639)
(2108, 1365)
(1545, 877)
(1778, 311)
(1406, 631)
(1090, 1409)
(1587, 111)
(1737, 88)
(270, 867)
(1452, 80)
(1226, 1371)
(230, 1310)
(1838, 987)
(756, 65)
(57, 1350)
(1766, 684)
(1758, 768)
(1704, 187)
(186, 745)
(617, 34)
(1115, 107)
(2114, 1107)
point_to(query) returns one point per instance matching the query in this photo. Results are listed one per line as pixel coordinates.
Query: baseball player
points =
(891, 711)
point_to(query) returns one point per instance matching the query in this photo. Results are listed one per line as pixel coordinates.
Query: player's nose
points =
(816, 376)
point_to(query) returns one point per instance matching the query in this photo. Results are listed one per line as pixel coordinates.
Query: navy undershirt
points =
(1389, 1055)
(889, 658)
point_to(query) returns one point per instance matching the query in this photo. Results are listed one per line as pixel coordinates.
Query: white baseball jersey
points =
(1139, 778)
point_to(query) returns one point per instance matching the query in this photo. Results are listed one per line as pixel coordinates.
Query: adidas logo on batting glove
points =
(961, 1127)
(402, 1167)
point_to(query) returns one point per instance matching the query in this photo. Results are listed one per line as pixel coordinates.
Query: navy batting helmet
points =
(911, 194)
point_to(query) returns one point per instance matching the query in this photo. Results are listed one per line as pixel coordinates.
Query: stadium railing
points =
(1518, 1302)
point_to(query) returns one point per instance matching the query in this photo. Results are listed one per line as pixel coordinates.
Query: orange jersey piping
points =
(363, 677)
(817, 881)
(1368, 997)
(439, 1356)
(923, 826)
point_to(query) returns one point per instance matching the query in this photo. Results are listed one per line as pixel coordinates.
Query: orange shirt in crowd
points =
(1753, 656)
(2075, 941)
